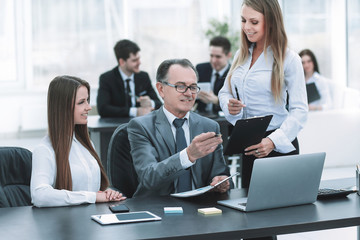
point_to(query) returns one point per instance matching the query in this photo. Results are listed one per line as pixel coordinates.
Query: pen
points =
(237, 93)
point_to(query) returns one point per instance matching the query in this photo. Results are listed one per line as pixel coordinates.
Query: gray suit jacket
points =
(155, 160)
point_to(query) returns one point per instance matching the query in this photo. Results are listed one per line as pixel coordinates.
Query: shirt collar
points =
(251, 49)
(222, 71)
(124, 76)
(171, 117)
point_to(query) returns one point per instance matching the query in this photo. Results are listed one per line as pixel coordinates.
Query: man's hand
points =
(203, 145)
(208, 97)
(143, 111)
(222, 187)
(144, 101)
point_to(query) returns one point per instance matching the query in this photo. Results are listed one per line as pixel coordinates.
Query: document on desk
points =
(199, 191)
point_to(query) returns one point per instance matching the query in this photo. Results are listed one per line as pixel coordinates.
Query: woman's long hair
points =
(61, 127)
(275, 36)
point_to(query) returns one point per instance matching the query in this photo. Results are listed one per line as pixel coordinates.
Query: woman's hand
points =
(262, 149)
(109, 195)
(235, 106)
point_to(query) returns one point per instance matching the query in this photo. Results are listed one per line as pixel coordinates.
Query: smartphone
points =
(119, 208)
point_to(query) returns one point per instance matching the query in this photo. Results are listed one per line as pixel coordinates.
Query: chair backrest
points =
(120, 168)
(15, 175)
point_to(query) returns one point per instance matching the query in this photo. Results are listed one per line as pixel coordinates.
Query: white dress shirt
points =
(133, 109)
(184, 158)
(85, 173)
(209, 106)
(323, 88)
(254, 87)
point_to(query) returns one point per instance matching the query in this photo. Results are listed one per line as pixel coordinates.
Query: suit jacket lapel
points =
(218, 85)
(138, 84)
(119, 81)
(208, 72)
(194, 126)
(163, 130)
(226, 72)
(195, 129)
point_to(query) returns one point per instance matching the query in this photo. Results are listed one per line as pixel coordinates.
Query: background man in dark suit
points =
(125, 90)
(174, 158)
(214, 72)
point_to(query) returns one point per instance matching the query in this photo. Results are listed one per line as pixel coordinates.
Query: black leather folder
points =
(312, 92)
(247, 132)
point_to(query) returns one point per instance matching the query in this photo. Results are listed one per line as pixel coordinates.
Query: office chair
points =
(15, 174)
(120, 168)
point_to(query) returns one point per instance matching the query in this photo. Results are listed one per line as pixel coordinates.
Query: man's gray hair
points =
(163, 69)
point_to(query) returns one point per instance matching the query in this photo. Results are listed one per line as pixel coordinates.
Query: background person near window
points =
(125, 91)
(215, 73)
(312, 75)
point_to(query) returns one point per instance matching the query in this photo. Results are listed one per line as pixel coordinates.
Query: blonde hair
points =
(275, 36)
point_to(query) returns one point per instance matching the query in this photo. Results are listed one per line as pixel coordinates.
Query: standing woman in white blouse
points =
(264, 70)
(65, 167)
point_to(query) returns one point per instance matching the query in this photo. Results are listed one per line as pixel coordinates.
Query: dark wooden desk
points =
(101, 130)
(75, 223)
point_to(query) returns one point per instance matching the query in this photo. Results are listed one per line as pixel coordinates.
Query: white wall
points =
(335, 132)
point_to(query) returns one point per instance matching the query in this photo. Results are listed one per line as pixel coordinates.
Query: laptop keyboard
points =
(325, 193)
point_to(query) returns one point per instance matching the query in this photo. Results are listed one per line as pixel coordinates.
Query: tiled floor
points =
(328, 173)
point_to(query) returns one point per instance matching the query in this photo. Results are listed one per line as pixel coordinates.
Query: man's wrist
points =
(192, 159)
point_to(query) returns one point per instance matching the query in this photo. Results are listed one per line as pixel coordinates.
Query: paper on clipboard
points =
(200, 191)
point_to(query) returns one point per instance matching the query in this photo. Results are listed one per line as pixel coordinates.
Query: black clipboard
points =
(312, 92)
(247, 132)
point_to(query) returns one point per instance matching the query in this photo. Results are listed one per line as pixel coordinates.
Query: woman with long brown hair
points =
(263, 72)
(66, 170)
(313, 76)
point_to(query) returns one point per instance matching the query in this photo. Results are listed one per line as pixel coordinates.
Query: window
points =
(72, 38)
(7, 43)
(307, 24)
(353, 44)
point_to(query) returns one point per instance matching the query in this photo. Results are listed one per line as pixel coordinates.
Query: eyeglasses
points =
(182, 88)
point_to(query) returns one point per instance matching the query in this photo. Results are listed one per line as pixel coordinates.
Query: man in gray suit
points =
(162, 167)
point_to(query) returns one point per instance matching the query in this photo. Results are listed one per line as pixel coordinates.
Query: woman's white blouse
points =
(85, 173)
(322, 85)
(254, 87)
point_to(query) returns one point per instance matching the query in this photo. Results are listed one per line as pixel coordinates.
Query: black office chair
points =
(120, 168)
(15, 174)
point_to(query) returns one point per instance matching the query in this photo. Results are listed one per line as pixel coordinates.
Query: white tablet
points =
(129, 217)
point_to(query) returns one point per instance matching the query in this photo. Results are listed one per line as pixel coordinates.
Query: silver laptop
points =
(281, 182)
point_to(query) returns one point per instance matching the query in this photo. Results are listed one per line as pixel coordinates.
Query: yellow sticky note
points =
(209, 211)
